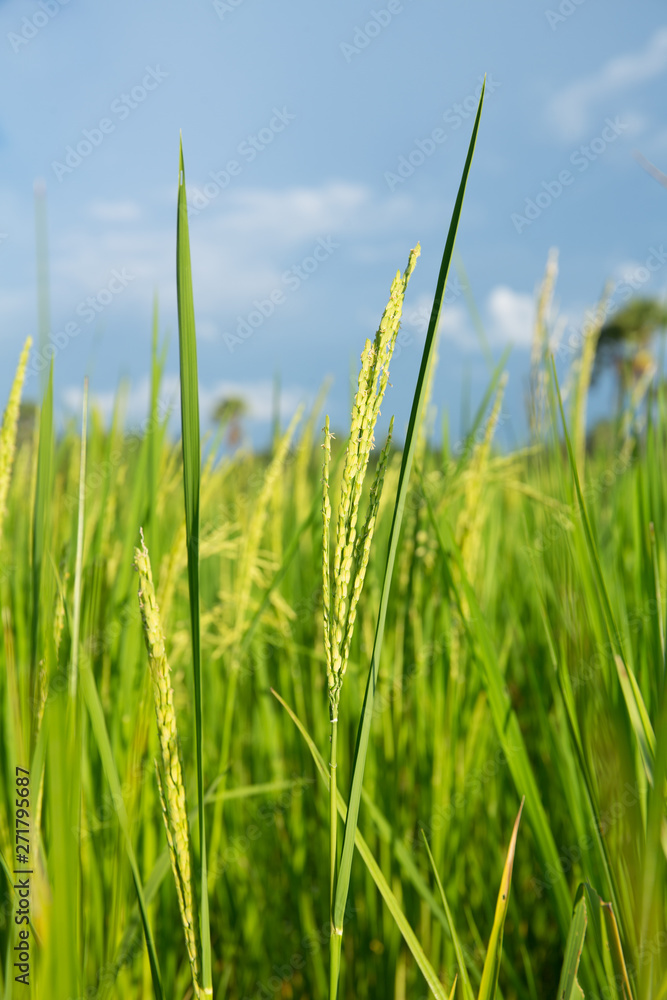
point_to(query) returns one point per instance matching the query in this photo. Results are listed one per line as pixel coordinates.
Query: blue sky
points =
(322, 141)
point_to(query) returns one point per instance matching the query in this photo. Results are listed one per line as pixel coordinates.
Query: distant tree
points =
(25, 431)
(229, 413)
(624, 344)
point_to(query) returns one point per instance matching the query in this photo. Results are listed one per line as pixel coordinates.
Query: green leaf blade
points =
(189, 381)
(568, 987)
(361, 750)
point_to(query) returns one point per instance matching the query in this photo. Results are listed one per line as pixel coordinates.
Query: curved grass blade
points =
(76, 627)
(639, 717)
(460, 958)
(489, 984)
(568, 986)
(406, 861)
(636, 709)
(98, 725)
(42, 511)
(187, 344)
(162, 867)
(393, 905)
(504, 717)
(616, 950)
(361, 750)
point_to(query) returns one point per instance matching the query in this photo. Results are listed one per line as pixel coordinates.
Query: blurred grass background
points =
(497, 625)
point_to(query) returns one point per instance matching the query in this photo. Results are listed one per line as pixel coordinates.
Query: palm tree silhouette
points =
(228, 414)
(624, 344)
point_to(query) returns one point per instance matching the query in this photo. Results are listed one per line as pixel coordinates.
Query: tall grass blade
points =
(170, 771)
(636, 709)
(489, 984)
(568, 986)
(361, 750)
(42, 513)
(616, 951)
(191, 484)
(393, 905)
(460, 958)
(76, 627)
(504, 717)
(98, 724)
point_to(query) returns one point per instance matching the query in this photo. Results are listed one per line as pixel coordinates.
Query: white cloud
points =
(571, 108)
(511, 316)
(291, 216)
(258, 396)
(508, 319)
(417, 315)
(625, 268)
(455, 326)
(241, 245)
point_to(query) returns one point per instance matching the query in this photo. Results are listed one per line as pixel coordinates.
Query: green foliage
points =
(523, 654)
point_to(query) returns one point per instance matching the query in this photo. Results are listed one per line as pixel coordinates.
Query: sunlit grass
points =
(512, 616)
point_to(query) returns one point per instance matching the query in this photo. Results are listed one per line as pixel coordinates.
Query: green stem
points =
(335, 943)
(334, 951)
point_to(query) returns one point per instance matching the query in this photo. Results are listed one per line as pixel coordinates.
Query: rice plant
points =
(486, 627)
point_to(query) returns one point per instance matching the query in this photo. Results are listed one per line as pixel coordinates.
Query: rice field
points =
(348, 718)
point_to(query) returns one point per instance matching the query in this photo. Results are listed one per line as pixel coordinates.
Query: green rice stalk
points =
(8, 432)
(636, 709)
(540, 344)
(326, 532)
(568, 986)
(460, 957)
(76, 626)
(489, 984)
(342, 585)
(363, 544)
(468, 528)
(170, 774)
(585, 371)
(616, 951)
(374, 869)
(346, 577)
(187, 342)
(363, 733)
(242, 594)
(504, 717)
